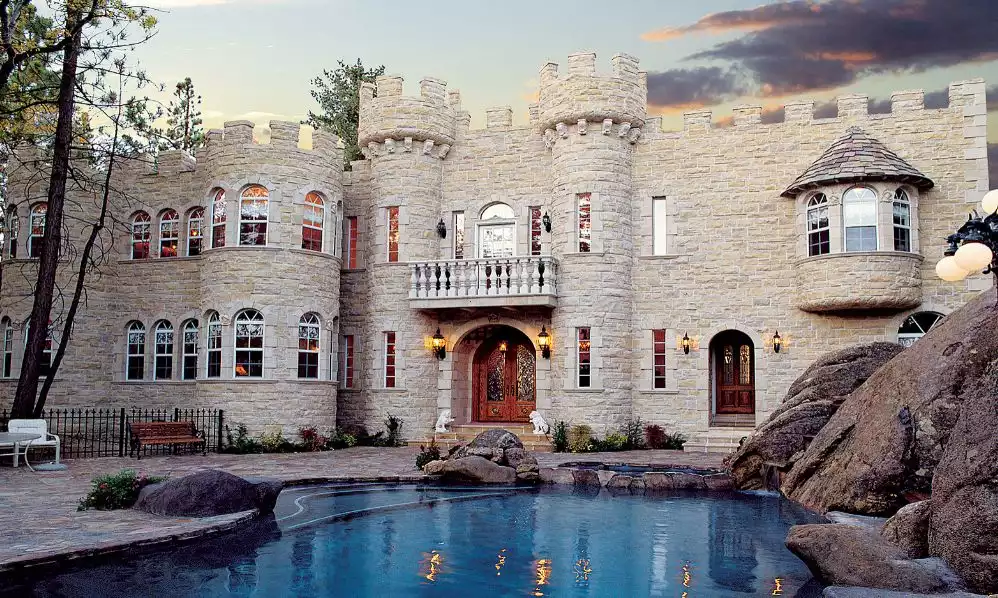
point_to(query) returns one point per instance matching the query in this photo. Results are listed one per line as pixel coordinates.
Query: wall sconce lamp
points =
(439, 345)
(777, 342)
(544, 342)
(503, 347)
(546, 219)
(442, 229)
(686, 343)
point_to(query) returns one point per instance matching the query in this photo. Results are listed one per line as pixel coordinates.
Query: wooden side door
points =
(734, 361)
(505, 385)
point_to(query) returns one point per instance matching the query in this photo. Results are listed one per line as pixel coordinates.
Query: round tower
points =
(590, 123)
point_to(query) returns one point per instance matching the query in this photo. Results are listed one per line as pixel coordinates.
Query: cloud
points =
(756, 19)
(693, 88)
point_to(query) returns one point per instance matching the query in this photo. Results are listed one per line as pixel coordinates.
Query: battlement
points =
(387, 114)
(584, 94)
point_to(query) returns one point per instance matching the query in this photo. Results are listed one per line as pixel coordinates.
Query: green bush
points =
(674, 442)
(338, 439)
(275, 442)
(559, 437)
(393, 424)
(634, 431)
(580, 438)
(240, 443)
(427, 454)
(115, 490)
(361, 437)
(615, 441)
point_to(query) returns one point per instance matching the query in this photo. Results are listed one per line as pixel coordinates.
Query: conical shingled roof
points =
(856, 157)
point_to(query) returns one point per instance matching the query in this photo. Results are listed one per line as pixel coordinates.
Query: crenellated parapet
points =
(392, 123)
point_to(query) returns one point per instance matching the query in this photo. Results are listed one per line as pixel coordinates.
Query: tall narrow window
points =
(659, 352)
(37, 232)
(902, 221)
(195, 231)
(817, 225)
(347, 364)
(169, 234)
(389, 360)
(584, 355)
(163, 368)
(135, 366)
(458, 226)
(213, 365)
(658, 227)
(535, 230)
(585, 208)
(8, 348)
(311, 227)
(249, 344)
(351, 242)
(190, 350)
(13, 227)
(141, 232)
(218, 217)
(859, 215)
(393, 234)
(253, 214)
(308, 347)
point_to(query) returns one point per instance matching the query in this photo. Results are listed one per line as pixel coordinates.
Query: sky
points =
(254, 59)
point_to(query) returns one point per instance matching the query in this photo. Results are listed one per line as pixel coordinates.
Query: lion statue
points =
(540, 424)
(443, 421)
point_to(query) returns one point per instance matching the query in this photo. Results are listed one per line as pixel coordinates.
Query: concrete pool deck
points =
(41, 524)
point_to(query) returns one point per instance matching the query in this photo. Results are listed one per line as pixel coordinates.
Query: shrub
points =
(580, 438)
(674, 442)
(615, 441)
(635, 434)
(275, 442)
(240, 443)
(393, 424)
(361, 436)
(559, 438)
(338, 439)
(427, 454)
(311, 440)
(115, 490)
(658, 439)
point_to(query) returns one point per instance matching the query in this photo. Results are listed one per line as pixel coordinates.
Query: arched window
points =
(818, 242)
(311, 226)
(195, 231)
(497, 232)
(916, 325)
(169, 234)
(249, 344)
(13, 227)
(190, 350)
(308, 346)
(46, 364)
(498, 210)
(859, 215)
(135, 364)
(213, 365)
(8, 347)
(902, 221)
(218, 219)
(253, 211)
(37, 223)
(164, 351)
(140, 236)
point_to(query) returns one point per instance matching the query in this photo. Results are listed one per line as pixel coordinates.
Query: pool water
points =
(371, 540)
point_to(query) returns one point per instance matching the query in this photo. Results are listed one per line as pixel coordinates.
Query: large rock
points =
(477, 470)
(848, 555)
(963, 525)
(811, 401)
(207, 494)
(888, 436)
(490, 443)
(908, 529)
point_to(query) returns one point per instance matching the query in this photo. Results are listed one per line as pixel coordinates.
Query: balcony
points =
(839, 282)
(493, 282)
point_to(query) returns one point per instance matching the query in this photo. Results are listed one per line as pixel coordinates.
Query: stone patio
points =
(41, 524)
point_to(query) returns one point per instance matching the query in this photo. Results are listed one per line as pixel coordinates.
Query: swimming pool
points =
(406, 540)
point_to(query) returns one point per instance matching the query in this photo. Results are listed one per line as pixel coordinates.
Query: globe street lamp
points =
(974, 246)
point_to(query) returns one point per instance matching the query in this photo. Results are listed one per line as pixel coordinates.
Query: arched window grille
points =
(218, 219)
(498, 210)
(308, 346)
(213, 365)
(902, 221)
(141, 233)
(169, 234)
(249, 344)
(253, 214)
(190, 350)
(859, 215)
(8, 348)
(195, 231)
(916, 325)
(163, 351)
(135, 364)
(37, 224)
(818, 241)
(312, 222)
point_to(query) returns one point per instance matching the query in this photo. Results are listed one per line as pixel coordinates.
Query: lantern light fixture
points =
(990, 202)
(503, 347)
(686, 343)
(439, 345)
(544, 342)
(546, 220)
(974, 246)
(442, 229)
(777, 342)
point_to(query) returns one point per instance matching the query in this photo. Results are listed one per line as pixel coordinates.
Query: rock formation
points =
(505, 460)
(207, 494)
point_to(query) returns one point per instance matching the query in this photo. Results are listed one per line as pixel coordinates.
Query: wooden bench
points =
(143, 434)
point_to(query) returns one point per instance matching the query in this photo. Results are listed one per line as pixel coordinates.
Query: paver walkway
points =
(38, 510)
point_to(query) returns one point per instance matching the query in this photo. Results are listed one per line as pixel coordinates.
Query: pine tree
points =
(338, 95)
(183, 122)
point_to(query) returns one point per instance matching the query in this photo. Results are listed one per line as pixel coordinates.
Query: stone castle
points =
(587, 265)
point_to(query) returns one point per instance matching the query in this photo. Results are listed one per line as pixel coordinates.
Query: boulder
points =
(527, 469)
(846, 592)
(557, 475)
(848, 555)
(209, 493)
(811, 401)
(434, 467)
(908, 529)
(477, 470)
(487, 442)
(963, 524)
(674, 480)
(888, 436)
(586, 477)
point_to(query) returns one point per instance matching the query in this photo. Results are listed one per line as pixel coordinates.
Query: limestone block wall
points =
(851, 281)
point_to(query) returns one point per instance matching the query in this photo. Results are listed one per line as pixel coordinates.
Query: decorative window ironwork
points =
(458, 226)
(141, 233)
(195, 231)
(495, 369)
(916, 326)
(745, 365)
(347, 380)
(498, 210)
(497, 240)
(389, 359)
(169, 234)
(312, 222)
(308, 346)
(249, 331)
(351, 242)
(8, 348)
(163, 369)
(135, 366)
(218, 217)
(213, 365)
(902, 221)
(190, 350)
(13, 227)
(535, 230)
(818, 241)
(39, 214)
(658, 352)
(393, 234)
(584, 358)
(254, 211)
(525, 372)
(585, 222)
(729, 365)
(859, 216)
(659, 230)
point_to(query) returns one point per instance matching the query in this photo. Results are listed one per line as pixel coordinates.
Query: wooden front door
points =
(504, 379)
(734, 373)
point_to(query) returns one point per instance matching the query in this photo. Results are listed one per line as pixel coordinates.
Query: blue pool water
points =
(371, 540)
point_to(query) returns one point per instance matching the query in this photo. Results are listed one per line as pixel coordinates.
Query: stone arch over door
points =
(733, 374)
(504, 376)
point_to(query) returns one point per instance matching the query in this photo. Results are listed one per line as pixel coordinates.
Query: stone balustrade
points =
(484, 282)
(886, 280)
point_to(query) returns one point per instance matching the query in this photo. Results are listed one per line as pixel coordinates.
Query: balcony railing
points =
(484, 282)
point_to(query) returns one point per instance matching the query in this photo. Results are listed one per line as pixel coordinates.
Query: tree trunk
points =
(41, 309)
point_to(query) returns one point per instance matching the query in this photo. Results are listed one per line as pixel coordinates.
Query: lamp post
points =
(974, 246)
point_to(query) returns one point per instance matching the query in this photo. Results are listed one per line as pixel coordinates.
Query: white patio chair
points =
(35, 426)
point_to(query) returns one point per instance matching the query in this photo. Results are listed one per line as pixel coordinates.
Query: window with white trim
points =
(818, 230)
(249, 332)
(859, 217)
(218, 217)
(584, 361)
(393, 234)
(585, 218)
(457, 223)
(536, 225)
(350, 243)
(309, 332)
(135, 360)
(141, 233)
(659, 354)
(190, 350)
(8, 348)
(195, 231)
(659, 245)
(39, 213)
(254, 210)
(13, 227)
(916, 326)
(389, 359)
(169, 234)
(312, 222)
(213, 356)
(902, 221)
(163, 351)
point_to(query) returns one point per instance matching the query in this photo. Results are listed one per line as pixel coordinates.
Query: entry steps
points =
(717, 439)
(465, 433)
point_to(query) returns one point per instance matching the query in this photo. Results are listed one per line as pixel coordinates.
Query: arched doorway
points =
(733, 357)
(504, 374)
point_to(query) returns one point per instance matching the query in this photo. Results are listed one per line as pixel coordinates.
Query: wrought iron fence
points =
(90, 433)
